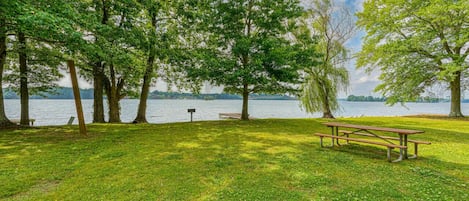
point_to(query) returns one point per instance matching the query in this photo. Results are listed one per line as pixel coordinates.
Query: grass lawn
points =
(271, 159)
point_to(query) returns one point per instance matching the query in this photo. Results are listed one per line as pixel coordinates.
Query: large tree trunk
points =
(24, 93)
(114, 108)
(244, 113)
(4, 121)
(455, 86)
(326, 111)
(113, 96)
(98, 107)
(142, 106)
(98, 75)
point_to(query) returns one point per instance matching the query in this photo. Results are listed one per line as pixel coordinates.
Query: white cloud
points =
(67, 82)
(367, 78)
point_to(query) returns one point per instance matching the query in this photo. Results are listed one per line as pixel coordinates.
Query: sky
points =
(361, 83)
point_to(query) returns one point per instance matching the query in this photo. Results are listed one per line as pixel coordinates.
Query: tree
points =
(333, 26)
(112, 59)
(247, 50)
(101, 10)
(416, 44)
(4, 121)
(159, 29)
(97, 16)
(123, 62)
(34, 32)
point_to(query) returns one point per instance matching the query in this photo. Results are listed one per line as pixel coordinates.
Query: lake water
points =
(57, 112)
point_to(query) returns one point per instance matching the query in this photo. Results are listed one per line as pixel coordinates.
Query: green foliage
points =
(40, 35)
(230, 160)
(50, 35)
(325, 29)
(113, 42)
(243, 45)
(43, 67)
(246, 45)
(415, 44)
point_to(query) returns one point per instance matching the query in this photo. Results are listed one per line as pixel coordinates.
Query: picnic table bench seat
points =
(416, 142)
(389, 146)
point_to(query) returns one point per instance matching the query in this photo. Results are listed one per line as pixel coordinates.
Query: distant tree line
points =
(365, 98)
(218, 96)
(67, 93)
(425, 99)
(55, 93)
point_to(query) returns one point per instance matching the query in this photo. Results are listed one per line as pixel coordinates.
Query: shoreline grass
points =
(262, 159)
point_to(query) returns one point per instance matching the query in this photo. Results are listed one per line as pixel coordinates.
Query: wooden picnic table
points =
(370, 131)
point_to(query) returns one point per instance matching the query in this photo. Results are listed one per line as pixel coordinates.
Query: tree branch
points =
(423, 52)
(120, 86)
(438, 29)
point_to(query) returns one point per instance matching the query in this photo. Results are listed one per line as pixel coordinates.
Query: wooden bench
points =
(389, 146)
(17, 121)
(416, 142)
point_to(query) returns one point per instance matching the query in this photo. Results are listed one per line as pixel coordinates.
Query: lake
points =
(57, 112)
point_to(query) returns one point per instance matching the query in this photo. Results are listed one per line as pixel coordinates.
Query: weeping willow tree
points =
(331, 26)
(319, 91)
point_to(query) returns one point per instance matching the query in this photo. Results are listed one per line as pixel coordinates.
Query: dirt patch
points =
(42, 187)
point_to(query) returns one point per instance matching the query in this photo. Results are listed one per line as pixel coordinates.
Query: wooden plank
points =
(76, 94)
(229, 115)
(361, 140)
(375, 128)
(385, 137)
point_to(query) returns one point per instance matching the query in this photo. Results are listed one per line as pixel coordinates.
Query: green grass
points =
(230, 160)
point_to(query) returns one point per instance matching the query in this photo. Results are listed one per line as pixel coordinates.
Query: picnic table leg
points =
(416, 150)
(320, 141)
(405, 150)
(389, 154)
(401, 150)
(337, 134)
(332, 133)
(348, 135)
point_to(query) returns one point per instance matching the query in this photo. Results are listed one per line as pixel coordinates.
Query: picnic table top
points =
(394, 130)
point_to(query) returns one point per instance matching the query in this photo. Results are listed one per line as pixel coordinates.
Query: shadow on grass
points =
(260, 159)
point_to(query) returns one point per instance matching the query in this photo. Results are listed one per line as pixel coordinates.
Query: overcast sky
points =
(361, 83)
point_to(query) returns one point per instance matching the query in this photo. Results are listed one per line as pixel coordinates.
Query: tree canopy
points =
(35, 37)
(416, 44)
(247, 48)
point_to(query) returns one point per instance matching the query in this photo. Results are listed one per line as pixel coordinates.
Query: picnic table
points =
(371, 131)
